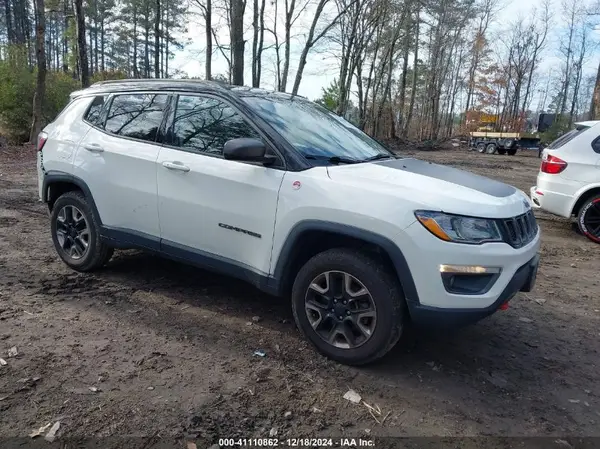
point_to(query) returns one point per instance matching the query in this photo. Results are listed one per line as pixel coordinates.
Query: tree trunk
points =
(65, 55)
(254, 41)
(157, 41)
(310, 41)
(402, 93)
(8, 19)
(595, 106)
(102, 47)
(135, 43)
(413, 91)
(167, 40)
(81, 44)
(38, 98)
(147, 40)
(258, 24)
(277, 49)
(96, 36)
(208, 26)
(91, 51)
(237, 40)
(289, 11)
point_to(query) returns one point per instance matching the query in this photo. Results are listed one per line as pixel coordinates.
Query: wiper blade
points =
(378, 156)
(332, 159)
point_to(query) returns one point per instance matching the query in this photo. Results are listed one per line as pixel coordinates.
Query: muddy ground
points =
(150, 347)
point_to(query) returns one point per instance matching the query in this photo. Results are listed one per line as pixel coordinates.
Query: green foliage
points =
(17, 87)
(558, 128)
(16, 95)
(108, 75)
(331, 96)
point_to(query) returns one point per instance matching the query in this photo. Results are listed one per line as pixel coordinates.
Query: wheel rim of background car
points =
(591, 219)
(340, 309)
(72, 232)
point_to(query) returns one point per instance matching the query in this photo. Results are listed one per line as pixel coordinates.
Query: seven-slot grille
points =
(520, 230)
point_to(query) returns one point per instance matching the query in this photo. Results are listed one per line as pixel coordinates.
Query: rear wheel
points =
(348, 305)
(481, 147)
(588, 219)
(501, 150)
(491, 148)
(511, 151)
(76, 234)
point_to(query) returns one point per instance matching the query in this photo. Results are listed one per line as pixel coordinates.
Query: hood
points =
(435, 187)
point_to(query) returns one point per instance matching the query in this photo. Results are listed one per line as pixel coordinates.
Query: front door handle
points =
(93, 147)
(176, 166)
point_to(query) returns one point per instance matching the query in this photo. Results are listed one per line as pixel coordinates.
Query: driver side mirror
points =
(248, 150)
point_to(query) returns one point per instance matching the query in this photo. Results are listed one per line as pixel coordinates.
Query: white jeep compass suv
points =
(279, 192)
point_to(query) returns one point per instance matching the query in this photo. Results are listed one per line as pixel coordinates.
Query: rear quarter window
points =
(562, 140)
(93, 115)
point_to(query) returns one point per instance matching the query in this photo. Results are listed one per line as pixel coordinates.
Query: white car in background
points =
(568, 183)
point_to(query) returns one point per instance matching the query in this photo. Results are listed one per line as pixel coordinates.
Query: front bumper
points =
(522, 281)
(433, 301)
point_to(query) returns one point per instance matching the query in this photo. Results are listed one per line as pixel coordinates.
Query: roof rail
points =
(135, 80)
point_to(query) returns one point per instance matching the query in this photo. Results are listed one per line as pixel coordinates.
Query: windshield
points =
(566, 137)
(316, 132)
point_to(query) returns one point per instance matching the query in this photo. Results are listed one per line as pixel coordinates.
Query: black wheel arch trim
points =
(56, 176)
(292, 245)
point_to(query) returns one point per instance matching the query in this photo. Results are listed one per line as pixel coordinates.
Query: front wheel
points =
(76, 234)
(349, 306)
(588, 219)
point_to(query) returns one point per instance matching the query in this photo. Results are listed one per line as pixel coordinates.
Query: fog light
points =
(469, 269)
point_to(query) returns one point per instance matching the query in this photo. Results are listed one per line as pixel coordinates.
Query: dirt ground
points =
(149, 347)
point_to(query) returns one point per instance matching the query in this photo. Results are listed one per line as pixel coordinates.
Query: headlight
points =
(456, 228)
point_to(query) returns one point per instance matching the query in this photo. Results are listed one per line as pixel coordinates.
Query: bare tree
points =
(40, 51)
(237, 40)
(81, 44)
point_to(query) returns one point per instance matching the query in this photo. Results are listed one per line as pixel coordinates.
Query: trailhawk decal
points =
(243, 231)
(584, 228)
(453, 175)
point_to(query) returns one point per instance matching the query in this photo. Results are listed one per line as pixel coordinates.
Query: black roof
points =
(189, 85)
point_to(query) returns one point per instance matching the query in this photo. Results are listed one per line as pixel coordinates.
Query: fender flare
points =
(55, 176)
(580, 193)
(290, 246)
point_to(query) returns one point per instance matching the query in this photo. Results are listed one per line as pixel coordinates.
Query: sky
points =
(322, 66)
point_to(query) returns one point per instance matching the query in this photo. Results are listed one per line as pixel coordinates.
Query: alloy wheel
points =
(340, 309)
(591, 219)
(72, 232)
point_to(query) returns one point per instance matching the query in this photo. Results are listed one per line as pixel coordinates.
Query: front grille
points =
(520, 230)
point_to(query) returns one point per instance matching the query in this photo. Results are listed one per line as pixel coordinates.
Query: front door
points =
(211, 208)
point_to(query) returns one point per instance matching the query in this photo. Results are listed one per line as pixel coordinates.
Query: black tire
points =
(491, 148)
(97, 252)
(511, 151)
(501, 150)
(382, 288)
(588, 219)
(481, 147)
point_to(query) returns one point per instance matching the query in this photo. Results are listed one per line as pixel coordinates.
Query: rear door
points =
(209, 207)
(117, 159)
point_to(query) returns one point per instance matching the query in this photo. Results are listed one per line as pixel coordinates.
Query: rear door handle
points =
(93, 147)
(176, 166)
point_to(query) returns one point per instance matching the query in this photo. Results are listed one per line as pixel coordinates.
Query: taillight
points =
(552, 165)
(41, 140)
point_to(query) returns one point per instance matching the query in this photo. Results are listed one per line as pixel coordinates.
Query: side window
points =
(204, 124)
(136, 115)
(94, 112)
